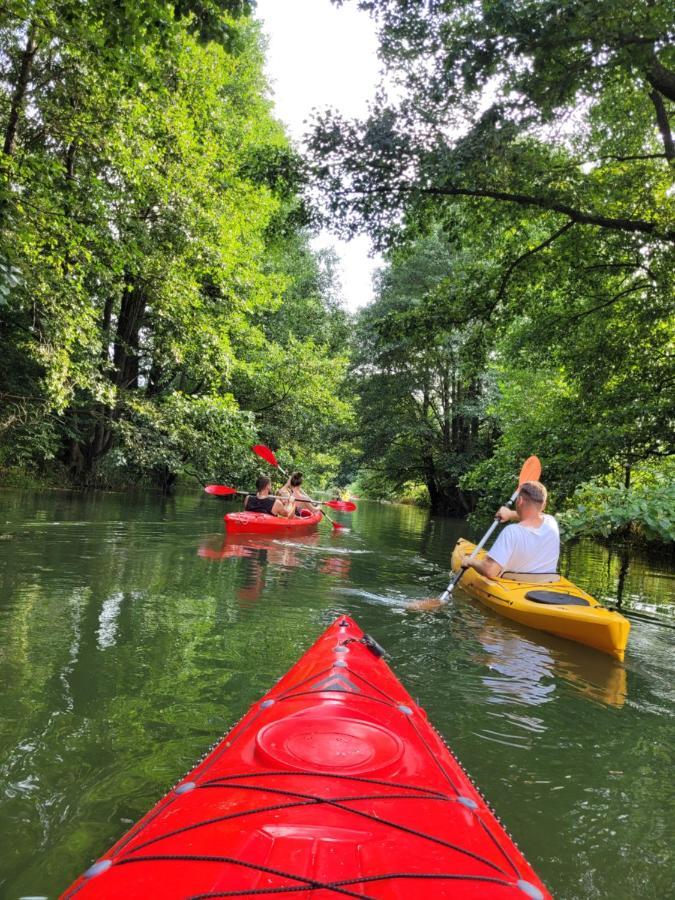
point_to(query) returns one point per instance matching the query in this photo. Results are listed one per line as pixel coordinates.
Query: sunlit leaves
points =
(158, 298)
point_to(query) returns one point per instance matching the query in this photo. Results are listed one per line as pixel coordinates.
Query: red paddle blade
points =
(265, 453)
(337, 526)
(221, 490)
(344, 505)
(531, 470)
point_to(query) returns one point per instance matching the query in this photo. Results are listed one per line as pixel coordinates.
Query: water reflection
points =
(523, 670)
(108, 620)
(268, 549)
(262, 555)
(532, 673)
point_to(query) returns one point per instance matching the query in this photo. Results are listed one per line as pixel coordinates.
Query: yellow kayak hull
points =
(593, 625)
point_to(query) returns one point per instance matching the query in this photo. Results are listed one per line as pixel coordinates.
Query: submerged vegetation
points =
(161, 307)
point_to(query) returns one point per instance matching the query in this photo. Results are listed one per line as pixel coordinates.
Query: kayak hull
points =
(593, 625)
(333, 784)
(261, 523)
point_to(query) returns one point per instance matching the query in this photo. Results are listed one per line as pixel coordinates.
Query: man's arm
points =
(485, 566)
(505, 514)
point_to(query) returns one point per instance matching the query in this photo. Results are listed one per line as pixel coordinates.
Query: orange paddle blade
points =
(531, 470)
(427, 605)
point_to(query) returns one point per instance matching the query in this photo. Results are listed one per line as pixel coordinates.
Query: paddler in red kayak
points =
(293, 489)
(263, 503)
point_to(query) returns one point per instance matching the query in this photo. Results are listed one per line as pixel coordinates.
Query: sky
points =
(320, 56)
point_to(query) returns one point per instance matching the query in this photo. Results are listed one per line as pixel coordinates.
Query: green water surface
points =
(132, 635)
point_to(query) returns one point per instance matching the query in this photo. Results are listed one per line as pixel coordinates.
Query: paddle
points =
(265, 453)
(222, 490)
(530, 471)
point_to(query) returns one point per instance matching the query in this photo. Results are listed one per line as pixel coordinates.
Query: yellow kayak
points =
(548, 602)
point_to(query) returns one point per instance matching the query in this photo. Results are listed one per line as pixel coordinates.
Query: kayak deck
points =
(579, 617)
(262, 523)
(335, 784)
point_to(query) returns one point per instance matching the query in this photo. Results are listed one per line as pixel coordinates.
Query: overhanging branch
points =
(516, 262)
(575, 215)
(640, 285)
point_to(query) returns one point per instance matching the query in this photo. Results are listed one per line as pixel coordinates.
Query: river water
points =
(132, 635)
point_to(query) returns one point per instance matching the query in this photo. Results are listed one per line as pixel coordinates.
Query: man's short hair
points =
(534, 491)
(261, 482)
(296, 479)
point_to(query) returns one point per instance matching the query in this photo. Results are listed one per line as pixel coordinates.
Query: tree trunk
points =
(165, 479)
(446, 403)
(430, 480)
(664, 124)
(105, 329)
(662, 79)
(450, 502)
(20, 90)
(125, 352)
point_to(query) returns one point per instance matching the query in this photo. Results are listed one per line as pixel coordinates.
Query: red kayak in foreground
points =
(334, 784)
(262, 523)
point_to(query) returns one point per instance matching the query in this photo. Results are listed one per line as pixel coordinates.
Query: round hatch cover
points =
(320, 743)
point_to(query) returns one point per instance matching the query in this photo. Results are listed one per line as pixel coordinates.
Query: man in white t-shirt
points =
(532, 545)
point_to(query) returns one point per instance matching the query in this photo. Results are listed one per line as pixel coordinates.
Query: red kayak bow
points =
(334, 784)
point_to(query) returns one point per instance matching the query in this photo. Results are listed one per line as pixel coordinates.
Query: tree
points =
(538, 138)
(583, 364)
(290, 372)
(489, 91)
(148, 199)
(420, 387)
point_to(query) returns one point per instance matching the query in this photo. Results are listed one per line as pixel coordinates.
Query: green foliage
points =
(488, 94)
(420, 387)
(156, 287)
(537, 139)
(601, 507)
(205, 438)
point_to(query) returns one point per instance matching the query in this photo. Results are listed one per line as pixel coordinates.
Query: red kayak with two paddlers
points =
(266, 523)
(333, 784)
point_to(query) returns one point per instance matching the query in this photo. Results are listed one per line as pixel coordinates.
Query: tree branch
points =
(516, 262)
(277, 402)
(622, 265)
(662, 79)
(576, 215)
(20, 89)
(588, 312)
(663, 123)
